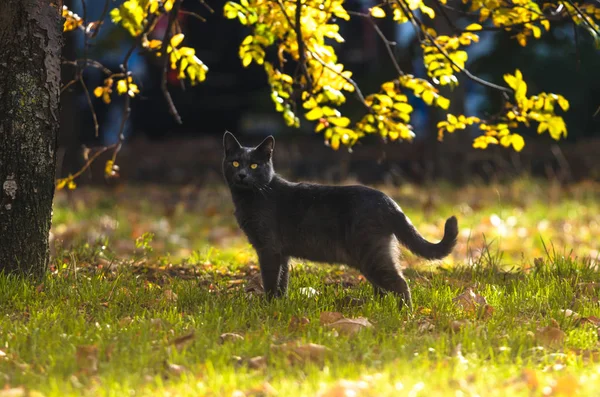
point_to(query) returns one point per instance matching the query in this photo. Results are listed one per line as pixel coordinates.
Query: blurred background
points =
(234, 98)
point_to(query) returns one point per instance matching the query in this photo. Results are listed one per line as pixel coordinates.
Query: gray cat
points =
(353, 225)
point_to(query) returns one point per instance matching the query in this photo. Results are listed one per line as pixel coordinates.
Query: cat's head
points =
(247, 167)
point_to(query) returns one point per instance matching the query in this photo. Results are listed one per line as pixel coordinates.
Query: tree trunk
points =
(30, 46)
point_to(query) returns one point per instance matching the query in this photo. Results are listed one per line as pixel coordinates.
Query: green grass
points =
(130, 304)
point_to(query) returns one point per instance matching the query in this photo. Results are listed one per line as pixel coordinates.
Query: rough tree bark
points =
(30, 47)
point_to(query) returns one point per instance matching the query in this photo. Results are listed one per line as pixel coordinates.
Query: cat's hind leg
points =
(381, 268)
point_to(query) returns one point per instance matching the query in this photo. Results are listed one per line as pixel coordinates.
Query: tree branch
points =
(466, 72)
(389, 45)
(165, 55)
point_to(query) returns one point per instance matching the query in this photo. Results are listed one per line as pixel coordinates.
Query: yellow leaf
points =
(518, 142)
(71, 185)
(247, 59)
(428, 97)
(563, 103)
(108, 168)
(98, 91)
(403, 107)
(427, 11)
(335, 142)
(121, 87)
(154, 44)
(61, 183)
(177, 39)
(377, 12)
(315, 113)
(339, 121)
(443, 103)
(546, 24)
(474, 26)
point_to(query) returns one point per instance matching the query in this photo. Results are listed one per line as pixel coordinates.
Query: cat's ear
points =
(230, 143)
(266, 147)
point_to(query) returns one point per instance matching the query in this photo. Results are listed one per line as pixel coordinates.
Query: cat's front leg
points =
(284, 275)
(270, 270)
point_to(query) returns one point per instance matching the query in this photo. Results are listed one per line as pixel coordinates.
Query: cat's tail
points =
(410, 237)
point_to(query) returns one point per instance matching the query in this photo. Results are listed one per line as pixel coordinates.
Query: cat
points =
(353, 225)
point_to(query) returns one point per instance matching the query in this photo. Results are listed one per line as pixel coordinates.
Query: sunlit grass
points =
(107, 319)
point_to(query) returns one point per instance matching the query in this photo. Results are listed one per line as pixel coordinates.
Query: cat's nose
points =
(242, 176)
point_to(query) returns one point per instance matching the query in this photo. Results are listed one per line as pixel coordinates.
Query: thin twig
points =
(466, 72)
(389, 45)
(165, 55)
(67, 85)
(193, 15)
(583, 16)
(90, 104)
(357, 90)
(90, 160)
(301, 46)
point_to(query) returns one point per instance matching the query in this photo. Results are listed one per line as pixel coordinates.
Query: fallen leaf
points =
(425, 326)
(550, 335)
(330, 317)
(297, 323)
(346, 388)
(301, 353)
(230, 337)
(258, 362)
(170, 296)
(125, 321)
(39, 288)
(568, 313)
(471, 302)
(565, 385)
(350, 326)
(13, 392)
(87, 358)
(529, 376)
(591, 289)
(255, 285)
(457, 325)
(183, 341)
(176, 369)
(595, 321)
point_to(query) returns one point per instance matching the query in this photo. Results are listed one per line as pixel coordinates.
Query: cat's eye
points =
(254, 166)
(236, 164)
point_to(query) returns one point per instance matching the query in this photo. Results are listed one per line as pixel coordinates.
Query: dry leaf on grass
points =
(425, 325)
(170, 296)
(297, 323)
(302, 353)
(330, 317)
(255, 285)
(457, 325)
(13, 392)
(338, 322)
(350, 326)
(175, 369)
(550, 335)
(258, 362)
(346, 388)
(474, 303)
(565, 385)
(87, 358)
(183, 341)
(230, 337)
(588, 289)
